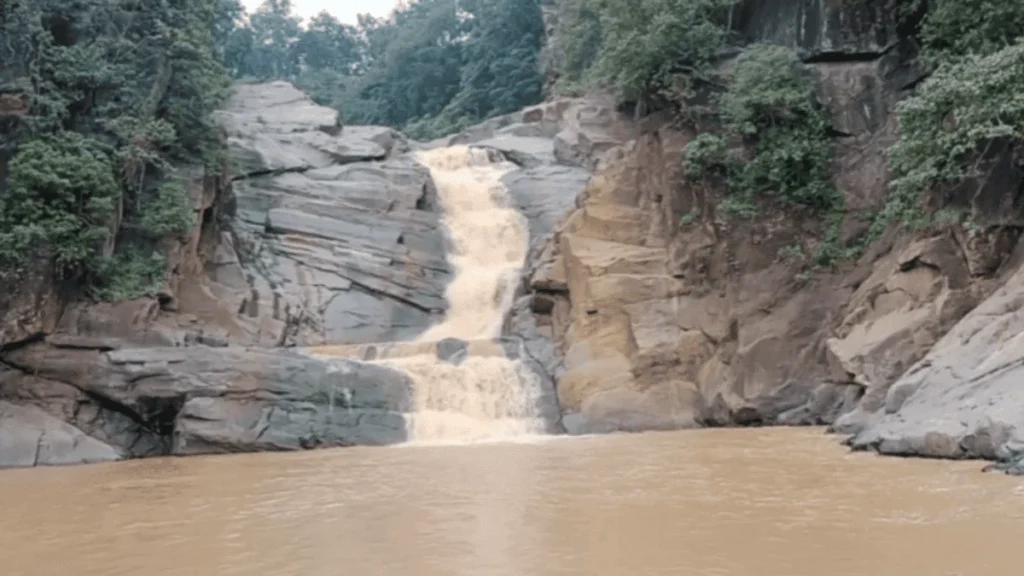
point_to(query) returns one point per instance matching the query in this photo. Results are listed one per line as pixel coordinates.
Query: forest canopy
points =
(432, 67)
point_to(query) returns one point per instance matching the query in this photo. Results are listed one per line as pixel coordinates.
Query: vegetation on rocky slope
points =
(762, 133)
(774, 137)
(770, 103)
(969, 107)
(101, 101)
(116, 94)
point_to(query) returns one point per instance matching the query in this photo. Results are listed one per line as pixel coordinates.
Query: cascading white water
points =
(483, 397)
(489, 241)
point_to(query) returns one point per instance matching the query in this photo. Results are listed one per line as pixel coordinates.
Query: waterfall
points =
(482, 397)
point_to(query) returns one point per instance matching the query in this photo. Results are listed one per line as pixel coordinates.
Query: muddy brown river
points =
(720, 502)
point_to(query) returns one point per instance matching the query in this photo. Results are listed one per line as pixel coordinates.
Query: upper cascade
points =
(488, 241)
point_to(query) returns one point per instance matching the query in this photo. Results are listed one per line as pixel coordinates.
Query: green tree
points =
(771, 106)
(501, 72)
(327, 44)
(118, 92)
(276, 32)
(957, 28)
(418, 68)
(578, 31)
(970, 102)
(62, 194)
(954, 118)
(654, 45)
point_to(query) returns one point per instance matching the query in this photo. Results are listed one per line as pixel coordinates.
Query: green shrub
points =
(128, 275)
(168, 211)
(705, 155)
(957, 28)
(63, 194)
(771, 104)
(771, 101)
(957, 113)
(653, 45)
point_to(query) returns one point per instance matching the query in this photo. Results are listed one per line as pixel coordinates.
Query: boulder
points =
(963, 399)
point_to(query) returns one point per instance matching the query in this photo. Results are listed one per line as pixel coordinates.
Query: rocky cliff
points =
(642, 319)
(320, 235)
(668, 322)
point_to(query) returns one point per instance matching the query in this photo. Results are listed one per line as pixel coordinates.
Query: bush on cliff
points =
(118, 93)
(956, 28)
(640, 48)
(770, 104)
(654, 45)
(167, 211)
(62, 193)
(130, 274)
(957, 114)
(970, 103)
(770, 107)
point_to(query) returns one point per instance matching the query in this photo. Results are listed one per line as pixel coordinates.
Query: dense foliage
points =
(774, 138)
(771, 102)
(432, 67)
(768, 103)
(639, 48)
(118, 94)
(101, 101)
(770, 107)
(771, 138)
(957, 28)
(62, 194)
(971, 101)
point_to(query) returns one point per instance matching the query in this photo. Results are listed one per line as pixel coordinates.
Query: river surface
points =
(770, 502)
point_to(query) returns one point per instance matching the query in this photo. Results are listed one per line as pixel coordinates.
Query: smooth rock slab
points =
(965, 398)
(211, 400)
(31, 437)
(339, 234)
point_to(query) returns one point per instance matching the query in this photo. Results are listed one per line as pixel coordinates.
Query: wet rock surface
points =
(89, 405)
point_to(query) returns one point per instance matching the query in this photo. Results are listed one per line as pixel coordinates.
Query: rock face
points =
(822, 30)
(664, 315)
(963, 399)
(322, 237)
(641, 307)
(90, 405)
(662, 325)
(336, 235)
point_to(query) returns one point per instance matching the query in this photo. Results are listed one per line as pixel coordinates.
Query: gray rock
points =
(963, 399)
(338, 231)
(826, 404)
(31, 437)
(544, 195)
(452, 350)
(820, 29)
(202, 400)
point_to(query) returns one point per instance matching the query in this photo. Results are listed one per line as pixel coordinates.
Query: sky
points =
(344, 10)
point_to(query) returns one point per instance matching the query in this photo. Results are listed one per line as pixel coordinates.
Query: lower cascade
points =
(475, 397)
